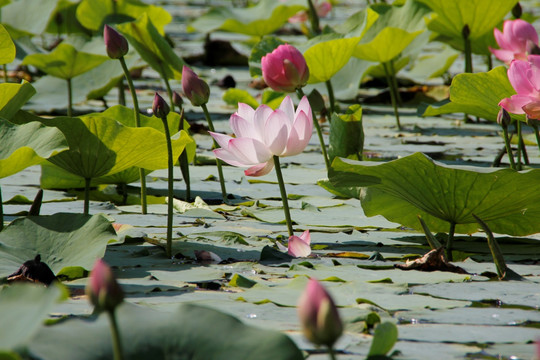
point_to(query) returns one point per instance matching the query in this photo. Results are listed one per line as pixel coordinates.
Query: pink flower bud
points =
(116, 45)
(177, 100)
(102, 289)
(160, 107)
(318, 315)
(195, 88)
(285, 69)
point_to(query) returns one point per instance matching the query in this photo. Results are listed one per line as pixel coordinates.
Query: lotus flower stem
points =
(508, 148)
(393, 91)
(1, 211)
(314, 18)
(524, 150)
(394, 80)
(142, 172)
(218, 162)
(535, 127)
(331, 98)
(489, 62)
(87, 195)
(450, 242)
(170, 196)
(117, 343)
(331, 353)
(70, 100)
(518, 155)
(300, 94)
(468, 51)
(4, 68)
(184, 162)
(121, 93)
(283, 195)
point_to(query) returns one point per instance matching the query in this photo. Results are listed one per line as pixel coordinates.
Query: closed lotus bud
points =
(177, 100)
(285, 69)
(318, 315)
(195, 88)
(102, 288)
(160, 107)
(116, 45)
(503, 117)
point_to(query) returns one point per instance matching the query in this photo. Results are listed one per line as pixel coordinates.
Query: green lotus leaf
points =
(7, 47)
(358, 23)
(347, 134)
(152, 47)
(26, 145)
(384, 338)
(262, 19)
(62, 240)
(441, 194)
(24, 307)
(387, 45)
(93, 14)
(408, 16)
(27, 17)
(481, 16)
(201, 332)
(327, 54)
(65, 61)
(13, 97)
(64, 19)
(476, 94)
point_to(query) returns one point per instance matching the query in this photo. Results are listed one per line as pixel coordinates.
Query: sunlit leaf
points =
(388, 44)
(476, 94)
(13, 97)
(264, 18)
(347, 134)
(65, 61)
(152, 47)
(233, 96)
(384, 338)
(7, 47)
(441, 194)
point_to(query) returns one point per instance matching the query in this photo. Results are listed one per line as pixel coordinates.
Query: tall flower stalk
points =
(183, 160)
(161, 110)
(117, 46)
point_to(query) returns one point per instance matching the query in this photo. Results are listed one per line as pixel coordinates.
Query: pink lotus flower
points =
(115, 44)
(299, 246)
(285, 69)
(102, 289)
(318, 315)
(264, 133)
(322, 9)
(516, 40)
(195, 88)
(525, 78)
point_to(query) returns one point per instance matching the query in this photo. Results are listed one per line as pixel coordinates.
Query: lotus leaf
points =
(387, 45)
(13, 97)
(347, 134)
(441, 194)
(19, 21)
(7, 46)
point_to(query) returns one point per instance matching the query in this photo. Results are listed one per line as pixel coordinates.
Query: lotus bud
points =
(177, 100)
(517, 11)
(195, 89)
(116, 45)
(102, 288)
(160, 107)
(285, 69)
(318, 315)
(503, 117)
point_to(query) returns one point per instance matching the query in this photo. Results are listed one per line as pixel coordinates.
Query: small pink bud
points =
(177, 100)
(195, 88)
(102, 289)
(160, 107)
(116, 45)
(285, 69)
(503, 117)
(318, 315)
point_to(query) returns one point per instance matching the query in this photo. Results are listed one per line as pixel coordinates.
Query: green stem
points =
(523, 149)
(535, 127)
(314, 18)
(518, 155)
(432, 240)
(450, 242)
(1, 211)
(300, 94)
(468, 54)
(170, 179)
(393, 76)
(121, 93)
(4, 67)
(332, 353)
(70, 99)
(218, 162)
(392, 93)
(137, 114)
(331, 98)
(183, 161)
(489, 62)
(169, 90)
(283, 195)
(87, 195)
(508, 148)
(115, 333)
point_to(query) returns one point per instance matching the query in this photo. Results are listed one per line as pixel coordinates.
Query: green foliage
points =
(402, 189)
(94, 14)
(234, 96)
(347, 134)
(387, 45)
(143, 35)
(476, 94)
(65, 61)
(27, 17)
(386, 335)
(262, 19)
(190, 331)
(62, 240)
(7, 47)
(13, 97)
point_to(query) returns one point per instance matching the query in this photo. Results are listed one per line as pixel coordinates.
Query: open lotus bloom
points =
(300, 246)
(525, 78)
(516, 40)
(264, 133)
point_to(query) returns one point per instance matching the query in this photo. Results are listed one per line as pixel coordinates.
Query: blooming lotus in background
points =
(299, 246)
(525, 78)
(264, 133)
(285, 69)
(516, 40)
(318, 315)
(322, 8)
